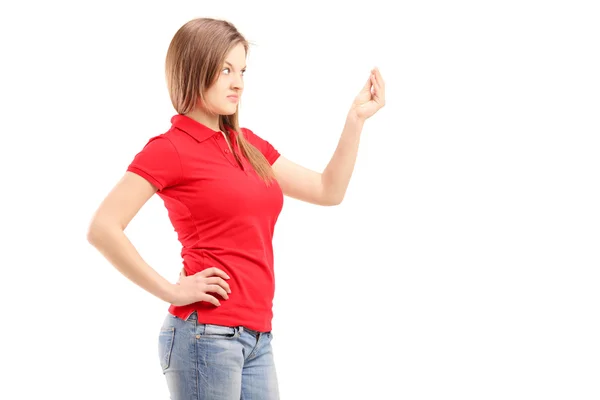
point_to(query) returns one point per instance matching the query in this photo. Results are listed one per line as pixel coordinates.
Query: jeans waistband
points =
(194, 317)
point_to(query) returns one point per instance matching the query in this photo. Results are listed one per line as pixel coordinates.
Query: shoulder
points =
(162, 143)
(263, 145)
(247, 132)
(251, 136)
(159, 148)
(254, 139)
(173, 141)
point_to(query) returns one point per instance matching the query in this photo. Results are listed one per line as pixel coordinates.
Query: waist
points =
(252, 284)
(198, 259)
(251, 319)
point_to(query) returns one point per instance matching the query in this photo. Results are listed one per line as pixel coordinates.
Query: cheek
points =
(224, 86)
(214, 93)
(218, 90)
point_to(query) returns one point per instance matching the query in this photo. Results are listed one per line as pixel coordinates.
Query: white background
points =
(463, 263)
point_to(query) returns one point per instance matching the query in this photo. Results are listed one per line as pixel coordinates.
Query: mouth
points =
(233, 99)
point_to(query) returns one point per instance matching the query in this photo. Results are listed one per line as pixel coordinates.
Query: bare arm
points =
(329, 188)
(337, 174)
(106, 233)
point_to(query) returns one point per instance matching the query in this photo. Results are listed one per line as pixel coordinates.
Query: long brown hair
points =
(194, 60)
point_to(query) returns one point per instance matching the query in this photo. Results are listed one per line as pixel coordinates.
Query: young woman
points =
(223, 187)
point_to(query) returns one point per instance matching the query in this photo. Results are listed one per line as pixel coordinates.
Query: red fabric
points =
(223, 213)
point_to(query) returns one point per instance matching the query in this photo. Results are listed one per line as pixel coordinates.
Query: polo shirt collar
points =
(195, 129)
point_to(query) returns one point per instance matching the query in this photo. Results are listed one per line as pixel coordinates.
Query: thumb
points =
(181, 275)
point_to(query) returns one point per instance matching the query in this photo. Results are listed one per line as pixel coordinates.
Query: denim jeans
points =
(214, 362)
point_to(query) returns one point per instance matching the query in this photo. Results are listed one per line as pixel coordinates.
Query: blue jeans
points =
(214, 362)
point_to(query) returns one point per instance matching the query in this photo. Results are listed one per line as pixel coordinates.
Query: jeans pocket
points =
(165, 346)
(210, 331)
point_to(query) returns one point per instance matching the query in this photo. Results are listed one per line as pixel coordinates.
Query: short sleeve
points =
(270, 152)
(158, 162)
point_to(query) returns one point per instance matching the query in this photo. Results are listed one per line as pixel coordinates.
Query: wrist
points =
(354, 117)
(167, 291)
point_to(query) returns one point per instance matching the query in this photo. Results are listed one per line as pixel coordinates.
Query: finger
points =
(210, 299)
(379, 87)
(375, 83)
(217, 289)
(180, 277)
(368, 84)
(214, 271)
(378, 96)
(379, 77)
(219, 281)
(376, 87)
(379, 82)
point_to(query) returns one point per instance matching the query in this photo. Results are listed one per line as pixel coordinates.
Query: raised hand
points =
(372, 96)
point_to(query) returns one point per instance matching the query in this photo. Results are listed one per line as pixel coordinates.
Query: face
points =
(225, 93)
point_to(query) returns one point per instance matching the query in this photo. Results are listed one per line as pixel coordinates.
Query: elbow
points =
(333, 201)
(96, 231)
(330, 196)
(337, 201)
(93, 233)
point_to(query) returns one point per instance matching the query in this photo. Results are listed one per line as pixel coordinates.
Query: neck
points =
(209, 120)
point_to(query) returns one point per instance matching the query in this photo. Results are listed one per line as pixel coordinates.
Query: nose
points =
(238, 82)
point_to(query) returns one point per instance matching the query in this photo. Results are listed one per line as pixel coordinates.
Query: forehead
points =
(236, 56)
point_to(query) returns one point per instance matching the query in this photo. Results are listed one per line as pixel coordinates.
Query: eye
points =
(229, 70)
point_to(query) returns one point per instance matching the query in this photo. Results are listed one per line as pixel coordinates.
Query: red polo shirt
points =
(223, 213)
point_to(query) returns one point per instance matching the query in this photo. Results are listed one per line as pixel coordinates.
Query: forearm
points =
(114, 245)
(337, 174)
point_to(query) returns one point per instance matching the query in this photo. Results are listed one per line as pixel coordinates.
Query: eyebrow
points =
(228, 63)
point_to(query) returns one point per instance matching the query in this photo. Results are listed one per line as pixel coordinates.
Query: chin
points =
(229, 110)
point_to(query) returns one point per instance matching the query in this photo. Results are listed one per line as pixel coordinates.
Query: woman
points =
(223, 187)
